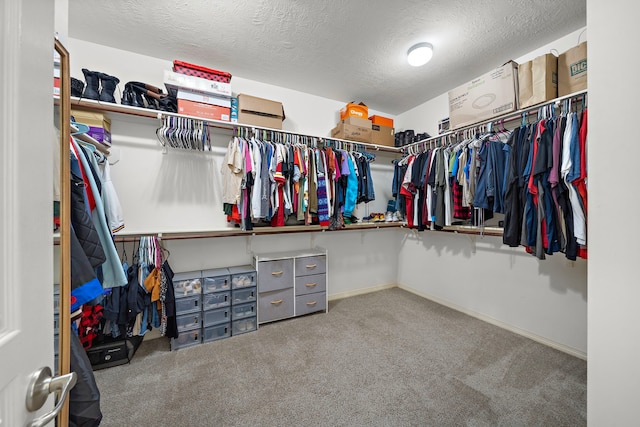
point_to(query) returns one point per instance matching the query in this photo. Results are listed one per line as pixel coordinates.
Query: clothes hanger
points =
(79, 128)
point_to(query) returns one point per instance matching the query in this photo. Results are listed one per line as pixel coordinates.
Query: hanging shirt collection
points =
(147, 300)
(272, 182)
(95, 215)
(536, 175)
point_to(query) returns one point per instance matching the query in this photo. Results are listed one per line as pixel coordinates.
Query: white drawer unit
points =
(291, 284)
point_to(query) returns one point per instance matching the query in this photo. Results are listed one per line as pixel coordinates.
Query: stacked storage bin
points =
(56, 326)
(216, 302)
(243, 299)
(188, 292)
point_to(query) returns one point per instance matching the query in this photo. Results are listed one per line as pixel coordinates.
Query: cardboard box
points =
(490, 95)
(203, 97)
(260, 112)
(383, 135)
(357, 121)
(572, 70)
(56, 86)
(537, 80)
(351, 133)
(381, 120)
(200, 71)
(202, 110)
(354, 110)
(178, 81)
(99, 124)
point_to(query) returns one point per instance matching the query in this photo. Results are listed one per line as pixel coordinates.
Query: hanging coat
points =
(84, 397)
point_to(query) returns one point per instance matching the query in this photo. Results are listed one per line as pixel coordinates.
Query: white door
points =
(26, 253)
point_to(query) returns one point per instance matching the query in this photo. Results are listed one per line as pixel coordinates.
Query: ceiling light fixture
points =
(419, 54)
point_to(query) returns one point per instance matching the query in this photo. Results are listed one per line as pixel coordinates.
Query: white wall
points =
(505, 286)
(545, 299)
(614, 291)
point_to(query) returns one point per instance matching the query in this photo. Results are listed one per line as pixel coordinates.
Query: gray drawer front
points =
(311, 265)
(273, 275)
(311, 284)
(310, 303)
(275, 305)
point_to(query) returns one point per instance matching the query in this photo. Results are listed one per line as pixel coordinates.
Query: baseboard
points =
(542, 340)
(362, 291)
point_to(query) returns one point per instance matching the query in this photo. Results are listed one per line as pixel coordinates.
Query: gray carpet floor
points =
(388, 358)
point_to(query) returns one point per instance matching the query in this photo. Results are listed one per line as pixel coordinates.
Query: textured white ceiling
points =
(343, 50)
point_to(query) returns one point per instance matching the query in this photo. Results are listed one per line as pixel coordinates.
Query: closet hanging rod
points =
(155, 114)
(289, 229)
(514, 115)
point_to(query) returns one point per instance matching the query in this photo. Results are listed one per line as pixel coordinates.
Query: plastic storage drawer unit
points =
(216, 300)
(243, 310)
(241, 296)
(213, 333)
(216, 279)
(243, 276)
(186, 339)
(216, 317)
(189, 321)
(188, 304)
(243, 325)
(187, 284)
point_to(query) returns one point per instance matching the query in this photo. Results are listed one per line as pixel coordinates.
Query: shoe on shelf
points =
(399, 216)
(367, 218)
(388, 217)
(394, 217)
(92, 88)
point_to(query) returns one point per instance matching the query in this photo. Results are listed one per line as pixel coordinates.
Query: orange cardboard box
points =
(381, 121)
(354, 110)
(202, 110)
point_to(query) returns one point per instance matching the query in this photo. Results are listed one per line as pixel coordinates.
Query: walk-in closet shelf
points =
(499, 120)
(144, 112)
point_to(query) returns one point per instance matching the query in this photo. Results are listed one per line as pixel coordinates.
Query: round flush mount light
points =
(419, 54)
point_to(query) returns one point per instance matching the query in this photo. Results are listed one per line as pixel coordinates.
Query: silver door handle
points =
(41, 384)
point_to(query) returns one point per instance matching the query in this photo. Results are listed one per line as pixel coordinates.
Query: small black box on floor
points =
(113, 352)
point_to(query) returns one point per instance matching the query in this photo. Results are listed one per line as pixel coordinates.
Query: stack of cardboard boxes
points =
(99, 124)
(356, 125)
(512, 86)
(201, 92)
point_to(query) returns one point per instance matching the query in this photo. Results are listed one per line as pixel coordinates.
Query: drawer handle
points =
(276, 302)
(312, 303)
(311, 265)
(277, 273)
(311, 285)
